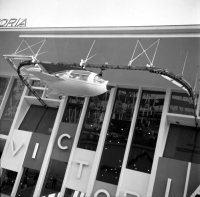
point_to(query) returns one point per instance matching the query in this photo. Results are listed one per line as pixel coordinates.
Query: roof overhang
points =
(107, 32)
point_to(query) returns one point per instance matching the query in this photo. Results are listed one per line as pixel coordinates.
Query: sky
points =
(79, 13)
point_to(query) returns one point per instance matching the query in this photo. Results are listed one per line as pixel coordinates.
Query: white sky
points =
(80, 13)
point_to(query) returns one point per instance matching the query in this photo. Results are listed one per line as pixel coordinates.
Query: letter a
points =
(14, 151)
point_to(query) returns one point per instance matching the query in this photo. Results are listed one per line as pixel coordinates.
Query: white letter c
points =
(59, 141)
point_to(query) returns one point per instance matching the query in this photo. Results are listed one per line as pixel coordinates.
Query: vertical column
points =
(128, 146)
(187, 179)
(101, 142)
(74, 145)
(160, 142)
(47, 156)
(17, 181)
(198, 104)
(15, 118)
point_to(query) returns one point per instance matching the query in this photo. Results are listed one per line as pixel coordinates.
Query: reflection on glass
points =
(146, 131)
(39, 119)
(54, 177)
(7, 181)
(69, 192)
(28, 182)
(183, 144)
(117, 136)
(93, 121)
(11, 107)
(2, 144)
(3, 85)
(36, 84)
(181, 103)
(39, 92)
(73, 110)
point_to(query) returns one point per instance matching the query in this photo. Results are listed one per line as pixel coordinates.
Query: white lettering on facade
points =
(168, 187)
(101, 191)
(14, 151)
(13, 22)
(130, 192)
(196, 192)
(81, 167)
(59, 141)
(35, 150)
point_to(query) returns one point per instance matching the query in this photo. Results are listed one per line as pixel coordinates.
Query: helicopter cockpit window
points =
(61, 74)
(98, 79)
(74, 76)
(79, 76)
(84, 77)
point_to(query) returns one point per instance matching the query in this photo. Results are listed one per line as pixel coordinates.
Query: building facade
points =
(139, 139)
(134, 140)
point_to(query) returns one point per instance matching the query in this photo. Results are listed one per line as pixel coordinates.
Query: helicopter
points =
(75, 79)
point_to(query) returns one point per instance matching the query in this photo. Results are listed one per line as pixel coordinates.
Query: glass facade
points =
(27, 183)
(146, 131)
(73, 110)
(38, 87)
(2, 144)
(181, 103)
(182, 141)
(7, 181)
(93, 122)
(11, 107)
(3, 85)
(54, 177)
(117, 136)
(39, 119)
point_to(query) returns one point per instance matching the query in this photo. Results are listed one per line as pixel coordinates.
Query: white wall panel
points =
(135, 181)
(81, 183)
(14, 157)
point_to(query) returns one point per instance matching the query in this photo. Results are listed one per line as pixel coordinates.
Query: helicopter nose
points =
(109, 86)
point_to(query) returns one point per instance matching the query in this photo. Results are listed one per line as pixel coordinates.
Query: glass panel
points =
(196, 153)
(98, 79)
(39, 119)
(7, 181)
(181, 142)
(32, 118)
(146, 131)
(2, 144)
(39, 92)
(117, 135)
(3, 85)
(181, 103)
(73, 110)
(11, 107)
(93, 121)
(46, 123)
(28, 182)
(36, 83)
(69, 192)
(54, 177)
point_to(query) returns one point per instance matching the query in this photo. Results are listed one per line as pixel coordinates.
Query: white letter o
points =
(101, 191)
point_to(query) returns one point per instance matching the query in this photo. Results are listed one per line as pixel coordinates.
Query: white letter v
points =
(14, 151)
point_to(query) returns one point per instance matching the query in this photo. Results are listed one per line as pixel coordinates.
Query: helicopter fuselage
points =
(74, 82)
